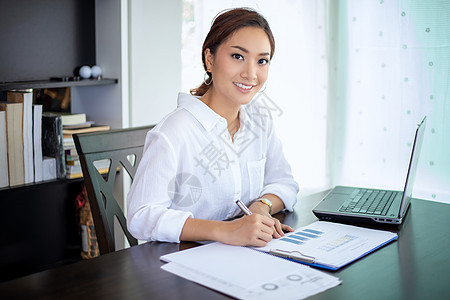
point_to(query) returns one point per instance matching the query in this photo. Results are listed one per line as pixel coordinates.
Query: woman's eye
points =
(237, 56)
(263, 61)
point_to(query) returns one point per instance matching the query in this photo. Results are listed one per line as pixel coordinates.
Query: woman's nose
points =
(249, 72)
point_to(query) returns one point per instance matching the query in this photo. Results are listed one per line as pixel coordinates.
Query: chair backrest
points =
(121, 147)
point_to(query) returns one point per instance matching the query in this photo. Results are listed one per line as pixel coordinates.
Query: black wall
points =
(40, 39)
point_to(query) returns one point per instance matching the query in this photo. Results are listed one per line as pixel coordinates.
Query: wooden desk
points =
(417, 266)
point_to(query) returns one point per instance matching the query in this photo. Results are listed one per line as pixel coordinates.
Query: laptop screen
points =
(415, 153)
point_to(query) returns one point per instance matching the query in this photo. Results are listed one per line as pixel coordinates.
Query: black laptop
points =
(363, 205)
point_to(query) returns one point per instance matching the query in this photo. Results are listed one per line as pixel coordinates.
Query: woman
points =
(216, 148)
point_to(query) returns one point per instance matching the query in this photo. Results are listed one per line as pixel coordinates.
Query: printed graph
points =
(337, 243)
(302, 237)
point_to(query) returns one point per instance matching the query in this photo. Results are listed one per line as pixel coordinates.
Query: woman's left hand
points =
(278, 230)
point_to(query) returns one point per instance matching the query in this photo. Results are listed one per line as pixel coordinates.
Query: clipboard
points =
(293, 255)
(328, 245)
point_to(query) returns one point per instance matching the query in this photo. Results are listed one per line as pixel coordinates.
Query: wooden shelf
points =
(30, 186)
(40, 84)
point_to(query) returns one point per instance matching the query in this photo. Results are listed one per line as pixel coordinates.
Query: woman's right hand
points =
(254, 230)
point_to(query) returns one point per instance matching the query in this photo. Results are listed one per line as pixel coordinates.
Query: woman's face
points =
(240, 66)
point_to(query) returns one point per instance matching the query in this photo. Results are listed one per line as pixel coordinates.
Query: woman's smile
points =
(243, 87)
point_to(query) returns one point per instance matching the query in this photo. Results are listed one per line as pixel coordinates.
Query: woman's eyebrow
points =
(246, 51)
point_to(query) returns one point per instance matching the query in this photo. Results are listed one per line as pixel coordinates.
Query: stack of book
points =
(37, 145)
(20, 140)
(73, 124)
(73, 167)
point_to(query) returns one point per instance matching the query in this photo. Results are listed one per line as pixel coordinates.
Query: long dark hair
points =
(224, 25)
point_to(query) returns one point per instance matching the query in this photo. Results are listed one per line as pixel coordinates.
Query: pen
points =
(243, 207)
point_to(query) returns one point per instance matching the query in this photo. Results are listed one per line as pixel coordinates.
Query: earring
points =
(263, 89)
(205, 80)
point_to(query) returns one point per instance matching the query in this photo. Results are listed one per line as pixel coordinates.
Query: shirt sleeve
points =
(149, 216)
(278, 179)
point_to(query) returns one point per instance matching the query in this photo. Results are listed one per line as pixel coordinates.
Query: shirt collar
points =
(208, 117)
(199, 110)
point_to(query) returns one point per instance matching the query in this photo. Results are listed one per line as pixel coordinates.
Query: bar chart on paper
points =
(328, 245)
(303, 236)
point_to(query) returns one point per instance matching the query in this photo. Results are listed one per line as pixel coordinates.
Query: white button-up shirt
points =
(192, 168)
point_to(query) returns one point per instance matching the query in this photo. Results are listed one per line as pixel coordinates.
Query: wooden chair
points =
(121, 147)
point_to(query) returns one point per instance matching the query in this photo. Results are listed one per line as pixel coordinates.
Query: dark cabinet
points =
(43, 42)
(39, 227)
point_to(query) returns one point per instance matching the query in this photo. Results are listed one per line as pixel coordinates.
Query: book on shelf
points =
(94, 128)
(14, 136)
(80, 174)
(74, 169)
(71, 119)
(4, 178)
(52, 141)
(79, 126)
(68, 143)
(26, 98)
(72, 161)
(37, 142)
(74, 175)
(71, 152)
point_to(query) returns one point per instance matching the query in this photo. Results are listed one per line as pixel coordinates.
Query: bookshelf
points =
(41, 84)
(38, 221)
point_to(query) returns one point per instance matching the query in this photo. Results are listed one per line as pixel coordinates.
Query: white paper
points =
(331, 244)
(28, 137)
(247, 274)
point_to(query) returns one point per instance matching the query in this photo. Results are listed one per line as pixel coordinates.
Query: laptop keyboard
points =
(371, 202)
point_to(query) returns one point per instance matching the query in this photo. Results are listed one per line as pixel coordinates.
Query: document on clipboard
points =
(328, 245)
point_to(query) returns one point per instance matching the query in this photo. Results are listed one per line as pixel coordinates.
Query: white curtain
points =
(390, 64)
(351, 79)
